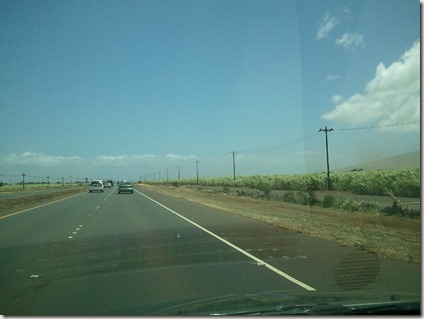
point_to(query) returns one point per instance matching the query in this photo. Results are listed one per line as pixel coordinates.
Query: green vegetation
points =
(401, 183)
(309, 198)
(300, 189)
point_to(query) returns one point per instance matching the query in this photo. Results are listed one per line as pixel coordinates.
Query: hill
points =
(407, 160)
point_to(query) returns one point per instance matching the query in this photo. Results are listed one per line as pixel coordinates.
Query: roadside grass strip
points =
(35, 207)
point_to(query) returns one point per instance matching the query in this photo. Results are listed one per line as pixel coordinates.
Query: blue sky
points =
(125, 89)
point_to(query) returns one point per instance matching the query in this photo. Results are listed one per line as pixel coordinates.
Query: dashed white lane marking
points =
(256, 259)
(77, 229)
(75, 232)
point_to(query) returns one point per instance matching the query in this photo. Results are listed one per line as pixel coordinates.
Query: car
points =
(96, 186)
(125, 187)
(107, 184)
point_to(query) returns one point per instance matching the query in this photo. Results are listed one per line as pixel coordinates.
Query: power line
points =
(378, 126)
(298, 140)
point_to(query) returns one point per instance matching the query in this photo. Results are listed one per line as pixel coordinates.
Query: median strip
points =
(31, 208)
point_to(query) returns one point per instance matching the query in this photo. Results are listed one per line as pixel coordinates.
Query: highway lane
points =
(323, 265)
(109, 253)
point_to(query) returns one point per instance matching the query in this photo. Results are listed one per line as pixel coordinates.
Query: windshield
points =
(261, 157)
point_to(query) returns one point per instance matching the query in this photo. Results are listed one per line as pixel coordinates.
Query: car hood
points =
(283, 303)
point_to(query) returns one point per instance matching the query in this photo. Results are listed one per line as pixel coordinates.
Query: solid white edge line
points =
(270, 267)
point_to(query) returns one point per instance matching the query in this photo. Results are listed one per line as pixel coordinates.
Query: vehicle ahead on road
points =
(125, 187)
(107, 184)
(96, 186)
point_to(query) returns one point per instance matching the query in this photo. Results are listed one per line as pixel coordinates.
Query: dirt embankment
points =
(7, 204)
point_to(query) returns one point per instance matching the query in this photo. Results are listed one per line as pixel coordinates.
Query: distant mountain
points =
(407, 160)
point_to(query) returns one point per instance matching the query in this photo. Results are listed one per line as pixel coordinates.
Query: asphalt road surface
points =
(118, 254)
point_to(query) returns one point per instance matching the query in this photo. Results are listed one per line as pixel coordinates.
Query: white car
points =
(96, 186)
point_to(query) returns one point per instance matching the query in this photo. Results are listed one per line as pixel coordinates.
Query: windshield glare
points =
(210, 157)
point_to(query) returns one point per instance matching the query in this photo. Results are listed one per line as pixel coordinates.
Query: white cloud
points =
(392, 96)
(43, 160)
(350, 40)
(176, 157)
(39, 159)
(327, 24)
(408, 112)
(333, 77)
(120, 160)
(308, 153)
(337, 99)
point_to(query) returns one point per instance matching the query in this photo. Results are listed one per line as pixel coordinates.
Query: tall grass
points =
(403, 183)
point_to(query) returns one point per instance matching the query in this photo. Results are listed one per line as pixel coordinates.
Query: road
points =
(117, 254)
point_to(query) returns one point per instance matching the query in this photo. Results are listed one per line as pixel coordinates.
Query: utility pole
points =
(326, 130)
(178, 172)
(23, 180)
(197, 171)
(48, 181)
(234, 165)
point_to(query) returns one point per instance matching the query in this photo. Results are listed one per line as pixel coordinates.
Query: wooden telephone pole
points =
(326, 130)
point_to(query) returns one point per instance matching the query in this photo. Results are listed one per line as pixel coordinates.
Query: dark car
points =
(107, 184)
(125, 187)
